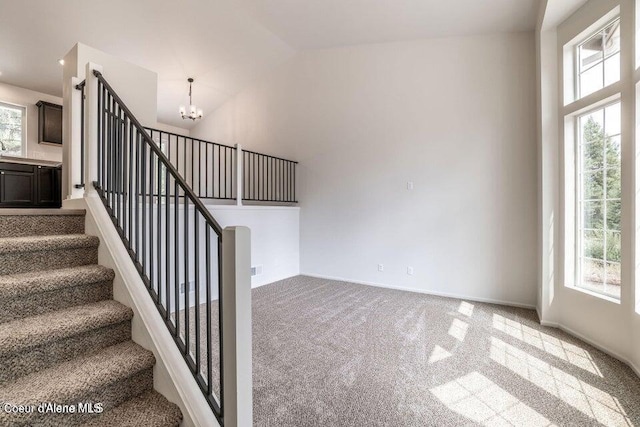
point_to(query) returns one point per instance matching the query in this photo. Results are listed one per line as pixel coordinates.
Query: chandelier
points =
(194, 112)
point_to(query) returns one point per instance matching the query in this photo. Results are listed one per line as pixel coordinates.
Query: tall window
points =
(593, 173)
(599, 200)
(12, 129)
(599, 60)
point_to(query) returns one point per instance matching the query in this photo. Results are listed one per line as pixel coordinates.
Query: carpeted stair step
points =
(35, 343)
(41, 253)
(111, 376)
(150, 409)
(34, 293)
(41, 222)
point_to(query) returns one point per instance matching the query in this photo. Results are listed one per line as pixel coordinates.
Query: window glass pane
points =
(612, 118)
(599, 60)
(591, 80)
(599, 224)
(593, 156)
(611, 37)
(591, 52)
(593, 185)
(593, 274)
(612, 69)
(613, 183)
(613, 151)
(593, 245)
(612, 286)
(11, 131)
(593, 215)
(592, 126)
(613, 215)
(613, 246)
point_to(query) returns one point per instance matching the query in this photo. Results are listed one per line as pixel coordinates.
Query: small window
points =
(12, 129)
(599, 60)
(599, 201)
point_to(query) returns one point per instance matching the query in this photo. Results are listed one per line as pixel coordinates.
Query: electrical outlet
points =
(410, 185)
(192, 286)
(256, 271)
(410, 271)
(380, 267)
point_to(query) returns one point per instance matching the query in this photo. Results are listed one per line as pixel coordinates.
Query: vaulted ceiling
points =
(224, 44)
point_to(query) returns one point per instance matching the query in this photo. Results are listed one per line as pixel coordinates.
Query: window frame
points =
(23, 125)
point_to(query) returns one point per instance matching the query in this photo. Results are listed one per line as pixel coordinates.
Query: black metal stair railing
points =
(211, 169)
(171, 236)
(208, 167)
(268, 178)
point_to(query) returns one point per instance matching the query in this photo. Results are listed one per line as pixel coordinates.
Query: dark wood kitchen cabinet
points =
(30, 186)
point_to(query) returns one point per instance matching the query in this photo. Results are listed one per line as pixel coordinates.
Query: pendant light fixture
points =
(194, 112)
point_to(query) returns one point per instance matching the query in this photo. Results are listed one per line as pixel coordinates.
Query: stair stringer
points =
(172, 377)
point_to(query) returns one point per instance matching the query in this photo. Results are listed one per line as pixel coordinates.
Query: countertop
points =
(27, 161)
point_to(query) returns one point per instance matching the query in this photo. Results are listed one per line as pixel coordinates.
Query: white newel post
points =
(91, 130)
(237, 391)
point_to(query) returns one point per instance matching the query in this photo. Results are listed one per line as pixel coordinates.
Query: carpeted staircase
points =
(63, 339)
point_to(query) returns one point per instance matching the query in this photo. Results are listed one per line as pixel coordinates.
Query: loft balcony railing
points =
(214, 170)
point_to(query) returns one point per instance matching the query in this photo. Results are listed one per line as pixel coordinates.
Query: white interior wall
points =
(275, 238)
(28, 98)
(137, 86)
(455, 116)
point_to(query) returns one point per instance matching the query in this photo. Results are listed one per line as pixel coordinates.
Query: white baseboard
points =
(423, 291)
(589, 341)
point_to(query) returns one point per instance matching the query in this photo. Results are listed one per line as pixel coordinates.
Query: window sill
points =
(594, 294)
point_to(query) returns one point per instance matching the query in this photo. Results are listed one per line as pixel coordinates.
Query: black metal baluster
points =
(220, 309)
(199, 169)
(118, 167)
(226, 181)
(137, 198)
(151, 231)
(100, 136)
(187, 287)
(108, 153)
(208, 314)
(176, 255)
(167, 242)
(143, 161)
(125, 176)
(131, 195)
(196, 255)
(206, 169)
(193, 183)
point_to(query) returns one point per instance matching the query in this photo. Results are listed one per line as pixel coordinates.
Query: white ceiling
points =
(224, 44)
(308, 24)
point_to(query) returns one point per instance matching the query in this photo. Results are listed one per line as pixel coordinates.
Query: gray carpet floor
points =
(330, 353)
